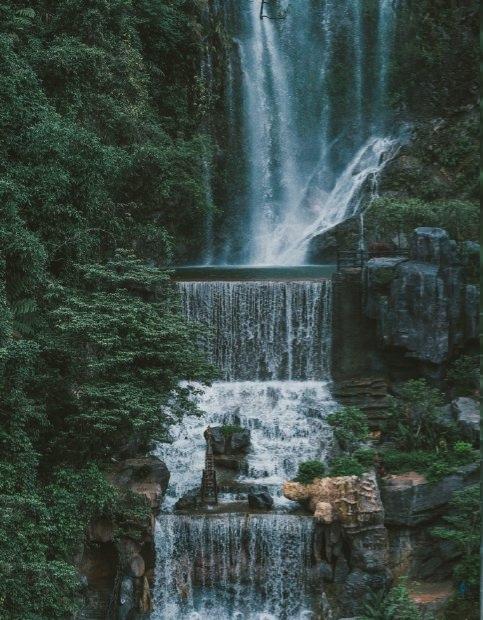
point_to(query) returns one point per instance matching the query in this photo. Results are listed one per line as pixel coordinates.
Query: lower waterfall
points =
(234, 566)
(271, 341)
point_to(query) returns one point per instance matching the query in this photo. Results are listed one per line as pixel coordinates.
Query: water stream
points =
(272, 343)
(306, 103)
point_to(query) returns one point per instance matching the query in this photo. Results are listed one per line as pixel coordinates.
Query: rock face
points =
(121, 566)
(370, 394)
(410, 500)
(353, 334)
(352, 541)
(224, 442)
(424, 306)
(259, 498)
(467, 414)
(145, 475)
(413, 507)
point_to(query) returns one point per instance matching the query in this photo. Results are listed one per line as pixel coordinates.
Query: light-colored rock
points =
(353, 501)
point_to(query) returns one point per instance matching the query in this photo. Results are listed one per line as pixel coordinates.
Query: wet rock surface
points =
(423, 307)
(259, 498)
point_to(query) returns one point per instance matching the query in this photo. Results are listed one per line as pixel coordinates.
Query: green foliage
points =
(350, 427)
(389, 218)
(308, 471)
(434, 465)
(101, 149)
(415, 418)
(346, 466)
(393, 605)
(230, 429)
(462, 527)
(464, 374)
(365, 456)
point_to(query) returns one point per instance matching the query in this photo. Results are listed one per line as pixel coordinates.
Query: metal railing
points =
(359, 258)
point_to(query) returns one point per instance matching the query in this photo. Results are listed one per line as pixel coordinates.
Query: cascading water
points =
(271, 330)
(272, 343)
(215, 561)
(308, 97)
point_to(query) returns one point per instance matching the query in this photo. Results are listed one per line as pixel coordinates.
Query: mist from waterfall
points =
(309, 127)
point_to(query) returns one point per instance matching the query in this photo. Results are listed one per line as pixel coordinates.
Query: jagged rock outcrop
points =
(424, 306)
(413, 507)
(410, 500)
(353, 543)
(259, 498)
(117, 566)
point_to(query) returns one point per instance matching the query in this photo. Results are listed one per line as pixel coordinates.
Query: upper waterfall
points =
(307, 119)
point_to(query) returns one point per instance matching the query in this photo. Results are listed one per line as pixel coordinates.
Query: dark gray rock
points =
(358, 586)
(127, 599)
(232, 443)
(432, 245)
(341, 570)
(467, 414)
(410, 500)
(369, 548)
(189, 501)
(259, 498)
(471, 311)
(217, 440)
(423, 308)
(325, 571)
(240, 441)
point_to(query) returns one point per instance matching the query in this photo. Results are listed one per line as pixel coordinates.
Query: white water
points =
(209, 564)
(287, 424)
(238, 565)
(309, 96)
(263, 330)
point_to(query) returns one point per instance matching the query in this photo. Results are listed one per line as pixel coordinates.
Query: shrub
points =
(350, 427)
(309, 470)
(365, 456)
(464, 374)
(393, 605)
(230, 429)
(414, 417)
(346, 466)
(462, 527)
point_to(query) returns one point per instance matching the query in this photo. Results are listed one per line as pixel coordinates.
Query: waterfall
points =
(234, 566)
(287, 424)
(263, 330)
(271, 341)
(310, 93)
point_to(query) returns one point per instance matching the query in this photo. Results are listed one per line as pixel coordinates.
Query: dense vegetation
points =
(100, 169)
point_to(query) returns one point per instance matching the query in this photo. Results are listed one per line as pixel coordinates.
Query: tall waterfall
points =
(271, 341)
(263, 330)
(308, 121)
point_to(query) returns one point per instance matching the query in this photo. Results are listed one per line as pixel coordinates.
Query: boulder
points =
(235, 442)
(467, 414)
(259, 498)
(432, 245)
(353, 501)
(189, 501)
(410, 500)
(147, 476)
